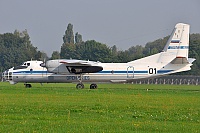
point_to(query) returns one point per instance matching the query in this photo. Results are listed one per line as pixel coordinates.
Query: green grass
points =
(110, 108)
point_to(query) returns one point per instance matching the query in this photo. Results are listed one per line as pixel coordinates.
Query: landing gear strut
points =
(28, 85)
(80, 85)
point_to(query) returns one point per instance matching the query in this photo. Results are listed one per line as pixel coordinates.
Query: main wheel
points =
(80, 86)
(93, 86)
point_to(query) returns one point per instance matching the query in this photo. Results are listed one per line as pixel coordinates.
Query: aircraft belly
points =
(106, 78)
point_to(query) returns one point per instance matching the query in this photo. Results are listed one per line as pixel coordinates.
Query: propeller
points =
(44, 62)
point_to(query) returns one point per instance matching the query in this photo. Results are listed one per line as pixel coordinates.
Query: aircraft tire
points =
(28, 85)
(93, 86)
(79, 86)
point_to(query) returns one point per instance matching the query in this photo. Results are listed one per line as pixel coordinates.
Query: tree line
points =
(17, 48)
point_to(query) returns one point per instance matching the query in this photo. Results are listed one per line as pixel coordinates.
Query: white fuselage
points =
(112, 72)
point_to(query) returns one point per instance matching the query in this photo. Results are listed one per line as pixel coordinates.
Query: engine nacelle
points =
(54, 66)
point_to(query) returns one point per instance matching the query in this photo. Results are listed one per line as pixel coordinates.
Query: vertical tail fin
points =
(179, 41)
(175, 50)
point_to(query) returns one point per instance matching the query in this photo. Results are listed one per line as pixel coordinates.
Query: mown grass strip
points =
(110, 108)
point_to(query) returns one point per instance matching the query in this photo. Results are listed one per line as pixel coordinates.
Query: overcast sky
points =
(123, 23)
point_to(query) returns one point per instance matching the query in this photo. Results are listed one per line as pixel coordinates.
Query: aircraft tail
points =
(175, 50)
(178, 43)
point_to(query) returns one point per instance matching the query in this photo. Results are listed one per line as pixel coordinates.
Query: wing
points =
(77, 62)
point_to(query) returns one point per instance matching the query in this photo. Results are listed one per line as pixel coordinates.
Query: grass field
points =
(110, 108)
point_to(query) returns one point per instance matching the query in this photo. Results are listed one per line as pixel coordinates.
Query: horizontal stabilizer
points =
(190, 60)
(180, 60)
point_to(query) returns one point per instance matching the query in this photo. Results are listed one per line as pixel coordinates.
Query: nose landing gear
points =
(28, 85)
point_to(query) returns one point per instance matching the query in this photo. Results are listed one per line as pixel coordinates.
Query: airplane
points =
(173, 59)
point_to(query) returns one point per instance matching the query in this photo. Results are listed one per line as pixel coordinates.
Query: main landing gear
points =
(80, 85)
(93, 86)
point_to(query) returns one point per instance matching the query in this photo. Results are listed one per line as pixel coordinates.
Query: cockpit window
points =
(26, 64)
(19, 67)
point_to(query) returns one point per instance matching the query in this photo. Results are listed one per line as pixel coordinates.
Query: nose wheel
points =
(28, 85)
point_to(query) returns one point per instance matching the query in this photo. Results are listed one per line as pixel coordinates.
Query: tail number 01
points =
(152, 71)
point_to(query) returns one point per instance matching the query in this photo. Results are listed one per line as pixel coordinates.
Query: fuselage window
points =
(112, 71)
(28, 64)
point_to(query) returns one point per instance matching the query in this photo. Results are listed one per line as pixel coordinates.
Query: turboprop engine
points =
(54, 66)
(72, 66)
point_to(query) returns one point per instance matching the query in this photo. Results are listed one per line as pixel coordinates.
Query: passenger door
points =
(130, 72)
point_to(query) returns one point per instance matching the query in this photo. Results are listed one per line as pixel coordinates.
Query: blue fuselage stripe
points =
(163, 71)
(101, 72)
(178, 47)
(119, 72)
(175, 41)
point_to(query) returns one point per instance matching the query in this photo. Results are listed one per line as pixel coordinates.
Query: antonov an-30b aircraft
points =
(173, 59)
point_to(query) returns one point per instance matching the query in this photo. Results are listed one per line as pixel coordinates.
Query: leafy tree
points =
(114, 54)
(114, 50)
(16, 48)
(69, 36)
(89, 50)
(55, 55)
(135, 52)
(123, 57)
(96, 51)
(68, 51)
(194, 52)
(155, 46)
(78, 38)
